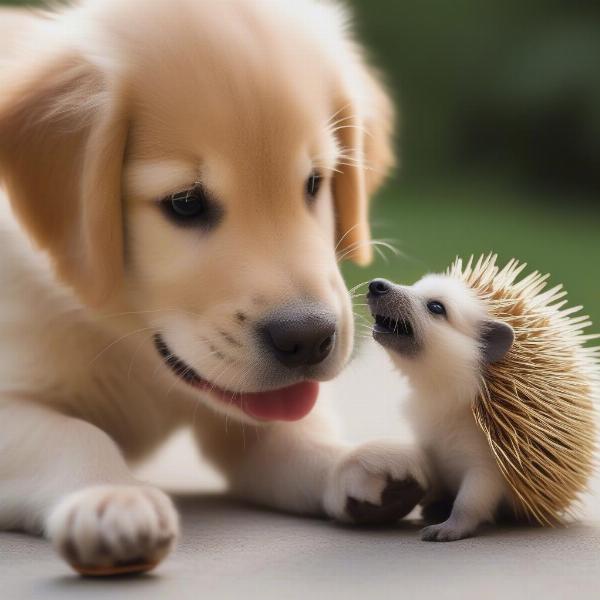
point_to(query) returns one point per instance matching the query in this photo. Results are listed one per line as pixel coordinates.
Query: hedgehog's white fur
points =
(445, 378)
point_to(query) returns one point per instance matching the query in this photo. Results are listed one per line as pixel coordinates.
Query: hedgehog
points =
(504, 383)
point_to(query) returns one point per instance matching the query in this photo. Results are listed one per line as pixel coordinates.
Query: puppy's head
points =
(438, 332)
(204, 165)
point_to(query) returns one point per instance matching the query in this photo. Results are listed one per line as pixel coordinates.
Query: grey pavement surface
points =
(230, 550)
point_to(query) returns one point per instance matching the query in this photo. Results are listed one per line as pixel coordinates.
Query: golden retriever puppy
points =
(180, 178)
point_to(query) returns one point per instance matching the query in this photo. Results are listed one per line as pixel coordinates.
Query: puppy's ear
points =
(364, 124)
(62, 139)
(497, 339)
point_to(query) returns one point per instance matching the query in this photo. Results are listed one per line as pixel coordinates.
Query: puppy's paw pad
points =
(375, 483)
(445, 532)
(113, 529)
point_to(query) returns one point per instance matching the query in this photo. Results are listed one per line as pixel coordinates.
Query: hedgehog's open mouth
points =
(387, 325)
(396, 321)
(396, 333)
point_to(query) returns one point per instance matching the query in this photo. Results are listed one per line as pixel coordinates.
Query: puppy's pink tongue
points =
(288, 404)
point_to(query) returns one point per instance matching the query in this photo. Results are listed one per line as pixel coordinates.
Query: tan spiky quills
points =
(537, 406)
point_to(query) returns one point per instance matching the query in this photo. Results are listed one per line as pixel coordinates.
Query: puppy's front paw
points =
(108, 530)
(379, 482)
(448, 531)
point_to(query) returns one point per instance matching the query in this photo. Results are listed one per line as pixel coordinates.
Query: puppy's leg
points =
(300, 467)
(476, 503)
(377, 482)
(67, 479)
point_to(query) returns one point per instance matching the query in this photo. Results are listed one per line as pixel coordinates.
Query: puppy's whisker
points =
(356, 287)
(357, 296)
(351, 160)
(335, 124)
(363, 334)
(215, 380)
(353, 166)
(145, 312)
(359, 315)
(376, 244)
(332, 123)
(366, 323)
(134, 355)
(340, 110)
(366, 326)
(381, 254)
(211, 389)
(352, 154)
(176, 381)
(172, 355)
(117, 341)
(213, 385)
(360, 128)
(239, 383)
(346, 234)
(360, 323)
(324, 167)
(182, 375)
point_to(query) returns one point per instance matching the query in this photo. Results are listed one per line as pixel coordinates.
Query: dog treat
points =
(504, 390)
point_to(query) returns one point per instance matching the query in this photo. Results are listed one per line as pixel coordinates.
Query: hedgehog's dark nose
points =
(379, 287)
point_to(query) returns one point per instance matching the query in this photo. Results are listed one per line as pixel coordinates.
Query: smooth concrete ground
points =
(230, 550)
(233, 551)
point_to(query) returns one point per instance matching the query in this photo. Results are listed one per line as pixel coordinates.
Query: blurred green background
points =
(499, 137)
(499, 140)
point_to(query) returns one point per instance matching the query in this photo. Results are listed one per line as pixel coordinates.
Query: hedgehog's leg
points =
(476, 503)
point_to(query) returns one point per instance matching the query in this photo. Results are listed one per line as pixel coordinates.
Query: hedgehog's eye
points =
(436, 308)
(193, 207)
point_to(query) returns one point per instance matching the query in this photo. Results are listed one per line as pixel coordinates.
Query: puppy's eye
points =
(313, 185)
(193, 207)
(436, 308)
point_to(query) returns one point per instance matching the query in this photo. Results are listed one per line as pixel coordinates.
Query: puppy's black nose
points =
(379, 287)
(300, 335)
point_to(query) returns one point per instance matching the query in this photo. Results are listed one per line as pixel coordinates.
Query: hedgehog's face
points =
(437, 329)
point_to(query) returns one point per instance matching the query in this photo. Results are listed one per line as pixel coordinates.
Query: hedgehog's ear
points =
(497, 339)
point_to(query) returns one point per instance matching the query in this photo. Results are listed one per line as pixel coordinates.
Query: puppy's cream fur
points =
(444, 375)
(106, 108)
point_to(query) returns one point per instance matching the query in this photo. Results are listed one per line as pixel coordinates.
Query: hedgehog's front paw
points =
(379, 482)
(114, 529)
(451, 530)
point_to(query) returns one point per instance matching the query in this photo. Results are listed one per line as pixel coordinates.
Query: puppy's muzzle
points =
(299, 335)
